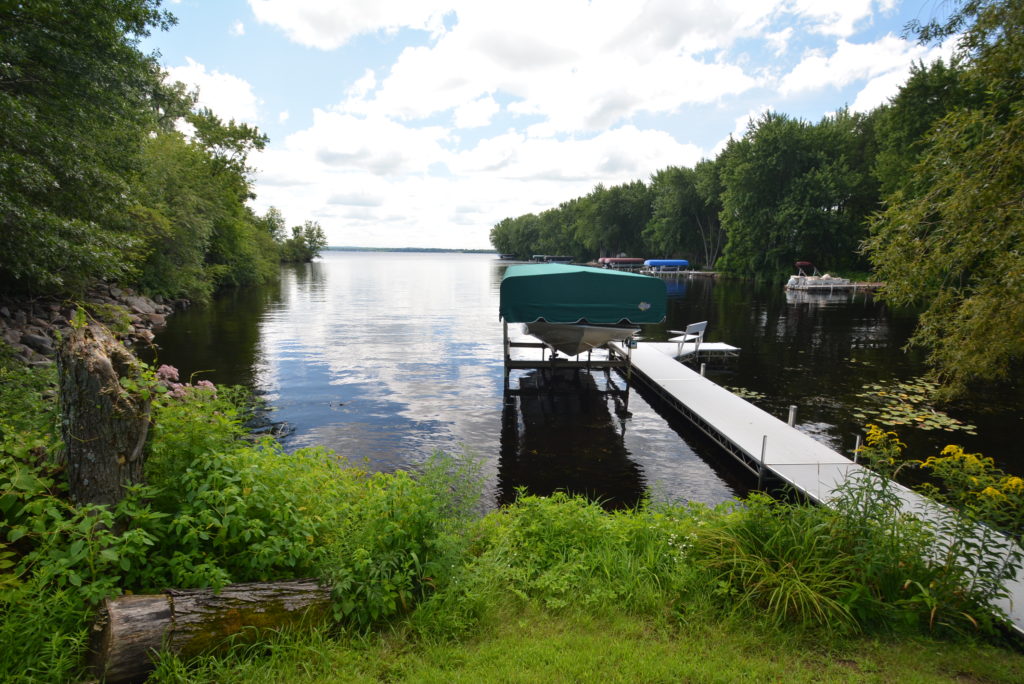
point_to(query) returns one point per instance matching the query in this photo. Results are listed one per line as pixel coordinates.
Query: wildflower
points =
(992, 493)
(167, 373)
(1013, 484)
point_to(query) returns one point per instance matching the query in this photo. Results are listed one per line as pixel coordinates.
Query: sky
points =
(422, 123)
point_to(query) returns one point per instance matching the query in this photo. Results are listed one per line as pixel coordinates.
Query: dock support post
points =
(508, 355)
(760, 470)
(629, 369)
(792, 415)
(703, 367)
(856, 448)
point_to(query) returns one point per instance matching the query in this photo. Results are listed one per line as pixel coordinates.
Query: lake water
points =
(386, 357)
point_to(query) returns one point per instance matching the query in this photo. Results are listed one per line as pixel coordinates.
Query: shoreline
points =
(33, 325)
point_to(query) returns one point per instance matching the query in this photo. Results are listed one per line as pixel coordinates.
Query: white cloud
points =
(283, 116)
(228, 96)
(327, 24)
(379, 181)
(376, 145)
(586, 66)
(779, 41)
(835, 17)
(476, 113)
(237, 29)
(851, 62)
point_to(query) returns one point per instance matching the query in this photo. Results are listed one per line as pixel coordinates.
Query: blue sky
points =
(399, 123)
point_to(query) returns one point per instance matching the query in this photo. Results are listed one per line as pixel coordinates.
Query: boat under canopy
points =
(575, 338)
(578, 308)
(558, 293)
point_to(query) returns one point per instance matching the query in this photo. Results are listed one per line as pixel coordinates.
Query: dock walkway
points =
(755, 438)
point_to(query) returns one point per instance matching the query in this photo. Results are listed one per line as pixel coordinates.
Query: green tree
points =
(794, 190)
(612, 219)
(929, 94)
(956, 243)
(305, 243)
(198, 235)
(77, 100)
(686, 204)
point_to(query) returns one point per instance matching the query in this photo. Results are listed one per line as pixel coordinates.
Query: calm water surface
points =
(387, 357)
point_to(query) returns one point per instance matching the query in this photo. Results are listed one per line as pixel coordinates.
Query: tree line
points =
(109, 172)
(926, 191)
(787, 190)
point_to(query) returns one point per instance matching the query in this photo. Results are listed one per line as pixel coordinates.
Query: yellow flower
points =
(992, 493)
(1013, 484)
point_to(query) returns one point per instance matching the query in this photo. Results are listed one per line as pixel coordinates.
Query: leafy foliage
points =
(75, 99)
(952, 240)
(305, 243)
(795, 191)
(685, 213)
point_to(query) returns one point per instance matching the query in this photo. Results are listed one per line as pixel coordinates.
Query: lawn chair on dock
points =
(693, 333)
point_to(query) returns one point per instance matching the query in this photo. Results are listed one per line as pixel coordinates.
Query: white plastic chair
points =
(693, 333)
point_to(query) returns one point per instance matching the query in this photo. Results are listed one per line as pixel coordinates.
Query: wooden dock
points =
(768, 446)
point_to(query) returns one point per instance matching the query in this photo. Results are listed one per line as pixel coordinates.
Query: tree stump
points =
(131, 629)
(104, 425)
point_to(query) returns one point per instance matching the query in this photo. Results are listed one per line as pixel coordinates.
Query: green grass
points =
(534, 645)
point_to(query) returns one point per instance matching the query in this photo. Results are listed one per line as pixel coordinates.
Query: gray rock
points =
(158, 320)
(5, 312)
(140, 305)
(115, 292)
(39, 343)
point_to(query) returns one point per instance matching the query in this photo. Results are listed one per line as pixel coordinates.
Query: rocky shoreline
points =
(31, 326)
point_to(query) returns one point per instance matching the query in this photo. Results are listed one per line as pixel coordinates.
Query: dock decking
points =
(755, 438)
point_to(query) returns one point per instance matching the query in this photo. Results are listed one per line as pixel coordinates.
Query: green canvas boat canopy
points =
(557, 293)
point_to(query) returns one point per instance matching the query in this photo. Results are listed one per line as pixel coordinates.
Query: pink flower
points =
(167, 373)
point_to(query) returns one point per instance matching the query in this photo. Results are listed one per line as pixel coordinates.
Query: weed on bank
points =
(420, 579)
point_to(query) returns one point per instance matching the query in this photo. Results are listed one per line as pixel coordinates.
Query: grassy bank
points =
(535, 645)
(426, 589)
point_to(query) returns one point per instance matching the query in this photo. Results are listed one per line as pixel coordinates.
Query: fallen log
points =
(132, 629)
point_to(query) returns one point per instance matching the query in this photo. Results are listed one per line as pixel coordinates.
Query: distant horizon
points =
(350, 248)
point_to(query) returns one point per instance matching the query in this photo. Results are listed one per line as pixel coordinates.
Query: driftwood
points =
(104, 425)
(131, 629)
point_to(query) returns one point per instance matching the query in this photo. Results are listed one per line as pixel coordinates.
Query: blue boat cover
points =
(678, 263)
(557, 293)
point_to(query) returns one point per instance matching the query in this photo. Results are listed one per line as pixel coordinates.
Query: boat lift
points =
(560, 301)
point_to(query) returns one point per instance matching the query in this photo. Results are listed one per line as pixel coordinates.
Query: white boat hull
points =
(575, 338)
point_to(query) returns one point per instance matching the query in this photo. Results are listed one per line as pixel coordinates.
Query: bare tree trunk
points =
(104, 425)
(131, 629)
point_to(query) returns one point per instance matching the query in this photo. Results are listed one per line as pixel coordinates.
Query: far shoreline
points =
(437, 250)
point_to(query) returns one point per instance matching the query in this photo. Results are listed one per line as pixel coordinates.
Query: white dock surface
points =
(794, 457)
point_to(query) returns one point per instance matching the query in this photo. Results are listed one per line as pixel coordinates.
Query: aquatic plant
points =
(748, 394)
(908, 403)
